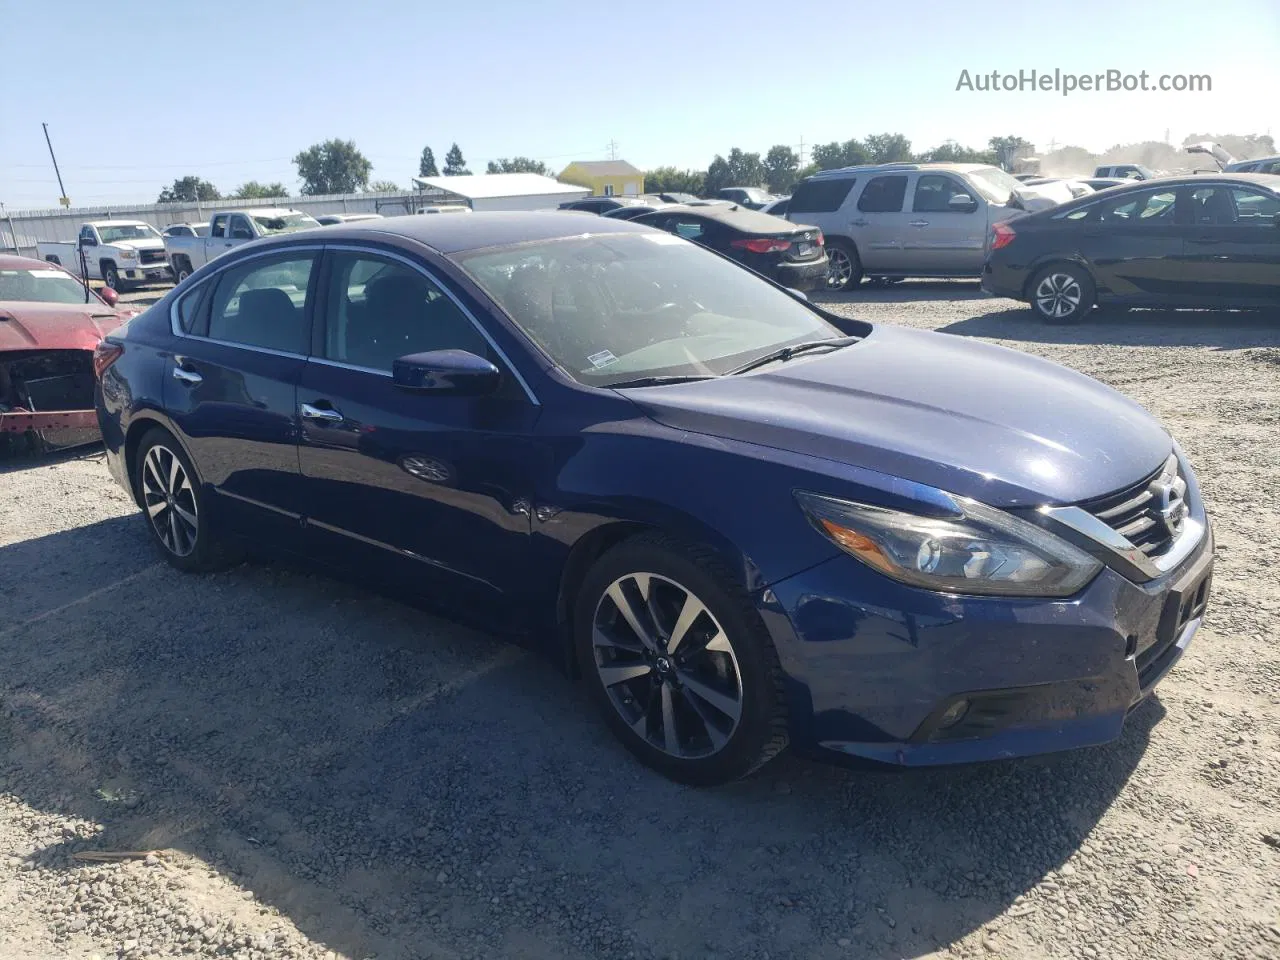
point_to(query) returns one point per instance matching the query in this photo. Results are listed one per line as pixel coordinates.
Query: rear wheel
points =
(679, 661)
(173, 504)
(1062, 293)
(844, 269)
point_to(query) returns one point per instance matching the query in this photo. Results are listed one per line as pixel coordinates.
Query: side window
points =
(883, 194)
(687, 227)
(1146, 207)
(219, 226)
(240, 229)
(934, 192)
(379, 310)
(820, 196)
(190, 309)
(1254, 208)
(262, 303)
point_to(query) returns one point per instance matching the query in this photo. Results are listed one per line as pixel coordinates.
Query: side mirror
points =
(962, 203)
(454, 372)
(88, 242)
(109, 295)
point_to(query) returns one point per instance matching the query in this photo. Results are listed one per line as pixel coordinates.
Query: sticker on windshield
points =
(602, 359)
(664, 239)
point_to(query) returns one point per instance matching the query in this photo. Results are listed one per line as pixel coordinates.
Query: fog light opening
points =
(953, 714)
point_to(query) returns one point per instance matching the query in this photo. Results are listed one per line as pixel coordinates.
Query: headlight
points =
(128, 254)
(979, 550)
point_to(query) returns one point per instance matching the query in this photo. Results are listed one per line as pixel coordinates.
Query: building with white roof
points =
(501, 191)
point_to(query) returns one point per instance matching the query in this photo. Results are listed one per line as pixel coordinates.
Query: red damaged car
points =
(49, 327)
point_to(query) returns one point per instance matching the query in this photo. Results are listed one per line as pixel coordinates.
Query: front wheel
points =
(174, 506)
(680, 662)
(111, 277)
(1062, 293)
(183, 271)
(844, 269)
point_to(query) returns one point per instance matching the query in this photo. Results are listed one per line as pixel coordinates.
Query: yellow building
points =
(606, 178)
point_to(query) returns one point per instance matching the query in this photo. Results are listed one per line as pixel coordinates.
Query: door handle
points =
(919, 223)
(227, 244)
(319, 414)
(858, 223)
(189, 377)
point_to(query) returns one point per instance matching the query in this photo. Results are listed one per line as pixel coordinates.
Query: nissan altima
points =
(743, 522)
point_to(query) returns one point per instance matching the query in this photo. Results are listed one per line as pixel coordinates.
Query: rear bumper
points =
(1003, 281)
(806, 276)
(20, 421)
(916, 678)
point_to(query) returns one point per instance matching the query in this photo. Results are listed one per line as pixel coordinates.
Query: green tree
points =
(888, 148)
(189, 190)
(383, 186)
(454, 165)
(253, 190)
(780, 167)
(517, 165)
(1008, 149)
(335, 166)
(671, 180)
(952, 152)
(745, 169)
(718, 175)
(427, 165)
(831, 156)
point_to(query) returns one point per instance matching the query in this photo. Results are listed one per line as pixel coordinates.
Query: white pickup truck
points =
(117, 252)
(230, 229)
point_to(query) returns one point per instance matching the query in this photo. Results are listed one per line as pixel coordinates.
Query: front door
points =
(430, 492)
(1231, 250)
(879, 223)
(948, 227)
(1134, 245)
(231, 388)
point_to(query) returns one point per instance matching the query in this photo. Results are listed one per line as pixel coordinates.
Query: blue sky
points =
(231, 91)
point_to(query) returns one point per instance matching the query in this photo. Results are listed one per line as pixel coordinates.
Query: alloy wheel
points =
(170, 501)
(839, 268)
(1058, 295)
(667, 665)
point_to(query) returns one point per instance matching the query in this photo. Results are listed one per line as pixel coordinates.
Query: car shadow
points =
(399, 786)
(905, 291)
(1217, 329)
(24, 458)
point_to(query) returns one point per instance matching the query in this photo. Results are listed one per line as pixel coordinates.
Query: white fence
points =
(21, 230)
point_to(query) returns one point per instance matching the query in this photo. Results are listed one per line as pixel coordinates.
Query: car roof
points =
(899, 167)
(11, 261)
(451, 235)
(1231, 167)
(117, 223)
(740, 218)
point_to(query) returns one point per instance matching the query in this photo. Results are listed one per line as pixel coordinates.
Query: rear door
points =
(231, 387)
(1231, 251)
(1133, 245)
(880, 223)
(948, 226)
(218, 241)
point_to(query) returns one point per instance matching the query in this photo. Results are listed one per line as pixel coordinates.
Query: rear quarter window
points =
(820, 196)
(883, 194)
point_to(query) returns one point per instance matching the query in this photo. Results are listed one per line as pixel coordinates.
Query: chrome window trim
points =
(325, 361)
(443, 288)
(176, 328)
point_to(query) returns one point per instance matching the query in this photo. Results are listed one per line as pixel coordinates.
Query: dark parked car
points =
(742, 521)
(1200, 241)
(752, 198)
(789, 253)
(599, 204)
(634, 210)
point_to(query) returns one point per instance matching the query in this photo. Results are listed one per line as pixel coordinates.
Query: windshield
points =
(127, 231)
(994, 184)
(617, 307)
(41, 286)
(285, 223)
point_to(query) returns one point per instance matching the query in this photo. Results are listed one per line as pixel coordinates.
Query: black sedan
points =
(787, 253)
(1177, 242)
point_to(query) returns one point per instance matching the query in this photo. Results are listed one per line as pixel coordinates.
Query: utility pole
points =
(1053, 144)
(62, 191)
(613, 149)
(801, 151)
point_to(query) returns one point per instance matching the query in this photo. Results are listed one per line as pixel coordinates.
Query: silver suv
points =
(906, 219)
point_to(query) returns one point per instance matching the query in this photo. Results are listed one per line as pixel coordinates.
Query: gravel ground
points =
(319, 772)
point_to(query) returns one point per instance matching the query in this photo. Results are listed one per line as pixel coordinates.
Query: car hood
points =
(153, 244)
(55, 326)
(981, 421)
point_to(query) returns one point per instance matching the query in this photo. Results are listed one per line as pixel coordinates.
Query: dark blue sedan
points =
(743, 522)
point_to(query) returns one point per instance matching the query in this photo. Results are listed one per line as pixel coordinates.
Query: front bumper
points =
(883, 672)
(806, 276)
(145, 272)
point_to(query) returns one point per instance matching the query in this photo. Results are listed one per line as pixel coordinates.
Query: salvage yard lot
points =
(326, 771)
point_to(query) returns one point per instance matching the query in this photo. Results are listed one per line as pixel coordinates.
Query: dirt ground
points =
(319, 772)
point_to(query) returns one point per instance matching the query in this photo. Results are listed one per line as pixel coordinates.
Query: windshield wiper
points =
(782, 354)
(654, 381)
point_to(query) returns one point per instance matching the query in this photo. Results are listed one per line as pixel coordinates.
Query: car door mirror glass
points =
(962, 203)
(455, 372)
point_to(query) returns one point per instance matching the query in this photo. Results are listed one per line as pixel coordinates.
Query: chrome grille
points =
(152, 256)
(1149, 514)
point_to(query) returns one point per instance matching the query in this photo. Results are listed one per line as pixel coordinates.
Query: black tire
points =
(749, 670)
(182, 271)
(1061, 293)
(111, 277)
(844, 268)
(191, 547)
